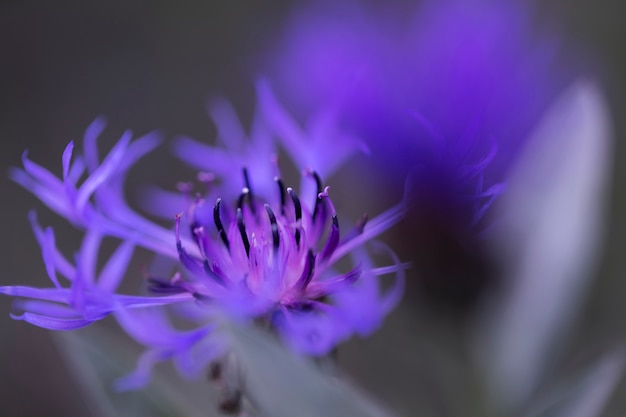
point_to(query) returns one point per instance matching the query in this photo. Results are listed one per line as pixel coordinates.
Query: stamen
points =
(218, 223)
(188, 262)
(298, 208)
(201, 297)
(242, 231)
(334, 235)
(175, 285)
(244, 193)
(307, 272)
(179, 245)
(281, 188)
(319, 190)
(246, 180)
(248, 187)
(274, 224)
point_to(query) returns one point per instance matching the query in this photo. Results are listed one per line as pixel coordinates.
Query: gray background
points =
(149, 65)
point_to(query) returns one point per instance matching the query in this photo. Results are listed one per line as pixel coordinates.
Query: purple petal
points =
(48, 249)
(67, 158)
(88, 258)
(103, 172)
(42, 175)
(372, 229)
(141, 375)
(205, 157)
(137, 149)
(52, 323)
(115, 268)
(45, 308)
(50, 294)
(77, 169)
(90, 144)
(133, 301)
(151, 327)
(229, 128)
(58, 260)
(277, 117)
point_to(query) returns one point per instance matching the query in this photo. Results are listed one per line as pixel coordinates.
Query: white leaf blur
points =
(587, 395)
(553, 214)
(96, 358)
(280, 384)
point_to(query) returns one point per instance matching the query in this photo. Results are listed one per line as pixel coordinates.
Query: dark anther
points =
(275, 237)
(281, 189)
(242, 231)
(320, 189)
(247, 191)
(333, 240)
(218, 223)
(246, 195)
(200, 297)
(242, 198)
(298, 207)
(246, 180)
(307, 272)
(159, 285)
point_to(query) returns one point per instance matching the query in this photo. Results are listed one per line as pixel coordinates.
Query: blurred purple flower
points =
(270, 255)
(444, 94)
(469, 69)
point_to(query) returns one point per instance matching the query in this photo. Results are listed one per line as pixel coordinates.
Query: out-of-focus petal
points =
(115, 268)
(53, 323)
(554, 207)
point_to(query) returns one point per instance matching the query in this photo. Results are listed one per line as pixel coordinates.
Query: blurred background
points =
(153, 65)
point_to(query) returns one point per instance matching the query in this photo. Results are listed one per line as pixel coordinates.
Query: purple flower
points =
(444, 95)
(263, 252)
(320, 146)
(87, 297)
(469, 70)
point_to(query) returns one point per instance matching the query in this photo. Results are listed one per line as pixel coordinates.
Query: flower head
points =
(277, 260)
(264, 252)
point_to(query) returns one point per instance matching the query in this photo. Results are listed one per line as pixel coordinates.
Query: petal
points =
(141, 375)
(52, 323)
(90, 144)
(67, 158)
(50, 294)
(116, 267)
(110, 164)
(376, 226)
(229, 128)
(45, 308)
(58, 260)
